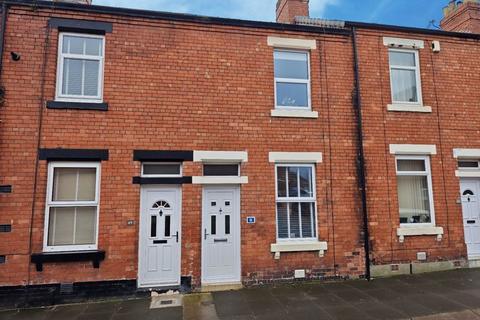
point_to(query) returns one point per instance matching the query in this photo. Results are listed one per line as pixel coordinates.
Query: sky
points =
(412, 13)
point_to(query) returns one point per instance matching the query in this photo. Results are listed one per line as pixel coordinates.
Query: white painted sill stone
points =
(409, 108)
(403, 232)
(298, 246)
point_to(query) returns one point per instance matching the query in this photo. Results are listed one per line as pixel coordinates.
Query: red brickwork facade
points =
(177, 86)
(185, 85)
(448, 127)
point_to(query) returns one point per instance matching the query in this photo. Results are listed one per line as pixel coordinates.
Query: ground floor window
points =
(414, 185)
(71, 221)
(296, 202)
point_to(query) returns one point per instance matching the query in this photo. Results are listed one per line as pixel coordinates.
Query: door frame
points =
(237, 238)
(143, 190)
(468, 179)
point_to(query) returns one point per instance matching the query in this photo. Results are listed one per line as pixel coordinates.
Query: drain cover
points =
(166, 301)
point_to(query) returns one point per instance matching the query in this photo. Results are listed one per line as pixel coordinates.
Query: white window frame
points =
(298, 200)
(426, 173)
(417, 77)
(50, 203)
(60, 63)
(290, 80)
(221, 164)
(143, 174)
(468, 168)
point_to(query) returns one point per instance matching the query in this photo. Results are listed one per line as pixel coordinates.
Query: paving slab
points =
(463, 315)
(452, 295)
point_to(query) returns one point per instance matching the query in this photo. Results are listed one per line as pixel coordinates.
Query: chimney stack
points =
(287, 10)
(462, 16)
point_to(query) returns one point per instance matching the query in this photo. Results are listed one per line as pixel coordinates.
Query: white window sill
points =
(405, 231)
(79, 100)
(219, 180)
(409, 108)
(299, 246)
(294, 113)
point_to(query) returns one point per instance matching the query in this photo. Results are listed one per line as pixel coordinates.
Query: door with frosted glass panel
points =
(221, 235)
(159, 250)
(469, 189)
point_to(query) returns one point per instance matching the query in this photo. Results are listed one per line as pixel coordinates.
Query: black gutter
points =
(2, 35)
(387, 27)
(149, 14)
(357, 102)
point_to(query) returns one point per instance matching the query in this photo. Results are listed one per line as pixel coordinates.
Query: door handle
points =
(205, 234)
(176, 236)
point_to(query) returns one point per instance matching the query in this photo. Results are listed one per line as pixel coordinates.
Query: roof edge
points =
(182, 17)
(387, 27)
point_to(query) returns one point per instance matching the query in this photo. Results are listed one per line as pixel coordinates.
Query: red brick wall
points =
(171, 86)
(453, 123)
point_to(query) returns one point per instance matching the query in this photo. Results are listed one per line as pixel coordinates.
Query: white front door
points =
(221, 235)
(470, 189)
(159, 237)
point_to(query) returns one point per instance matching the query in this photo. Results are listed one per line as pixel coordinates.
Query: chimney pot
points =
(287, 10)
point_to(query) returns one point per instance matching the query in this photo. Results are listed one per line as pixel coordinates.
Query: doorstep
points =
(215, 287)
(474, 262)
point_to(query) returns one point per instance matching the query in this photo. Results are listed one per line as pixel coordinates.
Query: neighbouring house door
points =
(221, 235)
(159, 237)
(471, 215)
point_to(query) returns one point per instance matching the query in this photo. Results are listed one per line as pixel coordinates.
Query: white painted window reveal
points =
(296, 202)
(414, 185)
(405, 77)
(72, 206)
(80, 67)
(292, 79)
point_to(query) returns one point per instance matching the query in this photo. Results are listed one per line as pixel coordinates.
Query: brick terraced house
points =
(148, 150)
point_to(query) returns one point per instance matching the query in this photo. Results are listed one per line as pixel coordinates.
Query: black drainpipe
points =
(357, 102)
(2, 35)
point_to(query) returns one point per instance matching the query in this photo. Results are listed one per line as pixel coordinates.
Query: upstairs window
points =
(80, 67)
(296, 212)
(414, 184)
(72, 206)
(292, 79)
(405, 77)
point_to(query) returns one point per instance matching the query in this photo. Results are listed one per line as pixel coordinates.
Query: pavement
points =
(447, 295)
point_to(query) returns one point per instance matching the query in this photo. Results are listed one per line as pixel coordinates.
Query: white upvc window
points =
(71, 215)
(468, 164)
(405, 77)
(296, 202)
(80, 67)
(414, 186)
(161, 169)
(292, 79)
